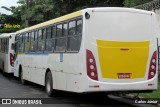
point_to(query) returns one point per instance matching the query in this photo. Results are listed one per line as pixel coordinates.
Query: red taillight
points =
(152, 67)
(11, 60)
(91, 65)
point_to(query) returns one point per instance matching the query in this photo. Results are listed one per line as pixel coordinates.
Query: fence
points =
(149, 6)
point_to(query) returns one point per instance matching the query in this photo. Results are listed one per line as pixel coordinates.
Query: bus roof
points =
(119, 9)
(62, 18)
(4, 35)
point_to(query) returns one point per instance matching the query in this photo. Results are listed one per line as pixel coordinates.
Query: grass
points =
(154, 94)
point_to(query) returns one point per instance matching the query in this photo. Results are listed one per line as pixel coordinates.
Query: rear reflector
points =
(11, 60)
(152, 67)
(91, 65)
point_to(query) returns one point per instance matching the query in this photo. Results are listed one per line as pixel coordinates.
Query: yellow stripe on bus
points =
(123, 57)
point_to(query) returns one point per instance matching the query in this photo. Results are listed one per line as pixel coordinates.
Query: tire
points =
(49, 84)
(4, 74)
(21, 77)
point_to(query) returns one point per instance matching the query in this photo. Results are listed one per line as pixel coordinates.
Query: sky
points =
(7, 3)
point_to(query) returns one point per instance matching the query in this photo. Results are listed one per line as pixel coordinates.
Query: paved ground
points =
(10, 87)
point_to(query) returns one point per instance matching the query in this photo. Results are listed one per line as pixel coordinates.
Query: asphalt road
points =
(10, 87)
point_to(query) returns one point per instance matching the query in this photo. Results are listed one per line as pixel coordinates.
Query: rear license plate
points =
(124, 75)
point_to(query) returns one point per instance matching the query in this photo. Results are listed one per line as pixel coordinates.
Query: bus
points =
(107, 49)
(7, 52)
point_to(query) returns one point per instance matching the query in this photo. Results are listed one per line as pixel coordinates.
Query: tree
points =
(132, 3)
(15, 17)
(43, 10)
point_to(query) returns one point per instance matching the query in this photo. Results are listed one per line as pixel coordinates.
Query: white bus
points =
(7, 52)
(91, 50)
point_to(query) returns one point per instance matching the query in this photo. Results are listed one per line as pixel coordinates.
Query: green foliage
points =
(9, 19)
(154, 94)
(43, 10)
(8, 30)
(132, 3)
(14, 18)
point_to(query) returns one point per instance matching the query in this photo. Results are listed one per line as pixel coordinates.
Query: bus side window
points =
(32, 49)
(75, 35)
(53, 37)
(43, 39)
(48, 32)
(44, 33)
(53, 32)
(59, 30)
(72, 28)
(41, 45)
(65, 29)
(60, 39)
(27, 42)
(35, 40)
(49, 40)
(21, 43)
(79, 27)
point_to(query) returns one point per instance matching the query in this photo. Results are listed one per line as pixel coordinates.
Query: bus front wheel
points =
(49, 84)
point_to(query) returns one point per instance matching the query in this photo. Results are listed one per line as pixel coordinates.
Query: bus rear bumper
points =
(9, 70)
(96, 86)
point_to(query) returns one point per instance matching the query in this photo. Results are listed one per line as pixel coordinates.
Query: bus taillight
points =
(152, 67)
(11, 60)
(91, 65)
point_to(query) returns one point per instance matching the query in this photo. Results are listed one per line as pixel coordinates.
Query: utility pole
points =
(26, 12)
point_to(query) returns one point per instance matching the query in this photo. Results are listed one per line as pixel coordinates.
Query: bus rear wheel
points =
(49, 84)
(3, 71)
(21, 78)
